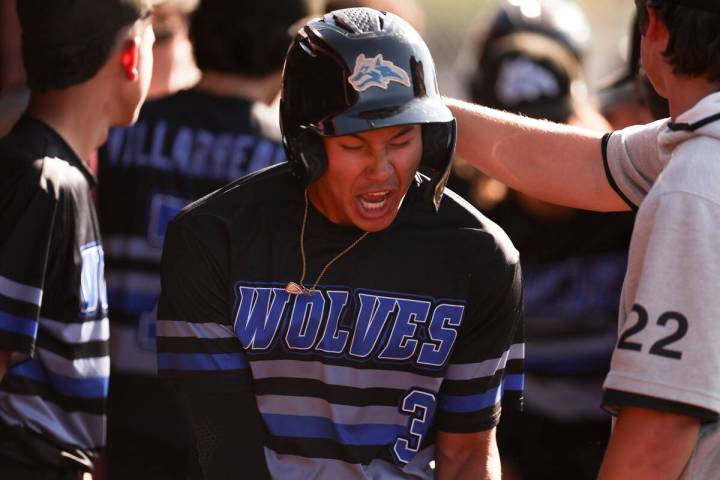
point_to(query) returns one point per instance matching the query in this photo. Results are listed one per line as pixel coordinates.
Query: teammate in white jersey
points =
(664, 382)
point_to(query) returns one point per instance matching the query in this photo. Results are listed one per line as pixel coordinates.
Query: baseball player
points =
(333, 302)
(88, 66)
(664, 381)
(183, 147)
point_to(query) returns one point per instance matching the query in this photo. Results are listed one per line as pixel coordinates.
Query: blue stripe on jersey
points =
(132, 302)
(93, 387)
(21, 325)
(473, 403)
(201, 361)
(19, 291)
(320, 427)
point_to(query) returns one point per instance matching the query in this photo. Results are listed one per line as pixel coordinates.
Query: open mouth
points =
(374, 201)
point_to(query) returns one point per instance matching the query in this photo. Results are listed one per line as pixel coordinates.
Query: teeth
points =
(373, 205)
(374, 200)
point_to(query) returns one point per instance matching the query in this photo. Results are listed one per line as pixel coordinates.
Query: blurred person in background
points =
(183, 147)
(628, 97)
(573, 263)
(88, 66)
(408, 10)
(14, 94)
(174, 67)
(560, 20)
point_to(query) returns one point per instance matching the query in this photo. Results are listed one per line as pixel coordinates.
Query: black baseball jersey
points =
(416, 329)
(183, 147)
(53, 307)
(573, 269)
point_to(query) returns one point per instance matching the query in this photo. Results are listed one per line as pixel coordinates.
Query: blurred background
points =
(449, 23)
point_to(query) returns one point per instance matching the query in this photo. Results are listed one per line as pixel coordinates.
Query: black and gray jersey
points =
(53, 306)
(416, 330)
(182, 147)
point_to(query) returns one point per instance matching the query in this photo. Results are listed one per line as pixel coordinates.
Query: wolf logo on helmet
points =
(331, 54)
(376, 72)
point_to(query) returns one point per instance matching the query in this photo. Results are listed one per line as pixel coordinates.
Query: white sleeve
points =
(667, 354)
(633, 160)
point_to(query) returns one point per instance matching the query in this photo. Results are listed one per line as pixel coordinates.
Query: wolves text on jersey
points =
(356, 325)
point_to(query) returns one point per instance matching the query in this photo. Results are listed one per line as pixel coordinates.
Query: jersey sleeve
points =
(196, 341)
(486, 368)
(202, 359)
(633, 160)
(667, 355)
(27, 220)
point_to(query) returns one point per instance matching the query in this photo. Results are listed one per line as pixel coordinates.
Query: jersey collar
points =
(46, 142)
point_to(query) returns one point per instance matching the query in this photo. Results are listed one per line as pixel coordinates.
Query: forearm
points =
(649, 445)
(556, 163)
(467, 460)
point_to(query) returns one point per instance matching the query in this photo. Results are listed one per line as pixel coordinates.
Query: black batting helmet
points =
(361, 69)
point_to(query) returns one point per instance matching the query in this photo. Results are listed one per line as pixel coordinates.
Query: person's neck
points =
(261, 89)
(687, 92)
(76, 116)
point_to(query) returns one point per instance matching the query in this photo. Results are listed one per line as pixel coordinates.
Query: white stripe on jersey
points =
(80, 368)
(488, 368)
(338, 374)
(291, 467)
(172, 328)
(336, 413)
(19, 291)
(86, 430)
(90, 331)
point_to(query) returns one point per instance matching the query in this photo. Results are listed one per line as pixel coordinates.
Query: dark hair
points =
(694, 45)
(245, 37)
(66, 42)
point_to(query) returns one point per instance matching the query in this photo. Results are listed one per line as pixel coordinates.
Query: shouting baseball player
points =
(329, 317)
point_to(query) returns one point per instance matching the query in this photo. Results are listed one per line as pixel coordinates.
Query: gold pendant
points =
(294, 289)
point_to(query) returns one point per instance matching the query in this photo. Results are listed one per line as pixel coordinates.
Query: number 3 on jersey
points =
(420, 406)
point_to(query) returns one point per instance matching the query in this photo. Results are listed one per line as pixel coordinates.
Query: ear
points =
(657, 32)
(129, 57)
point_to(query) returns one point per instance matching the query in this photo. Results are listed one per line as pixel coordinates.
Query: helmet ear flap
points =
(307, 156)
(438, 151)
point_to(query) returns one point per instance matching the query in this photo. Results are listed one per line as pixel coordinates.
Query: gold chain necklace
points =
(298, 288)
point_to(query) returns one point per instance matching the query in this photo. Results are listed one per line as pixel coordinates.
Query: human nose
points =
(380, 166)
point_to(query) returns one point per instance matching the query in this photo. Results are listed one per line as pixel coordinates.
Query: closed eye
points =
(351, 148)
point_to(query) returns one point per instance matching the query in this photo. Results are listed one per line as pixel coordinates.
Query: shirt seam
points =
(608, 173)
(702, 393)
